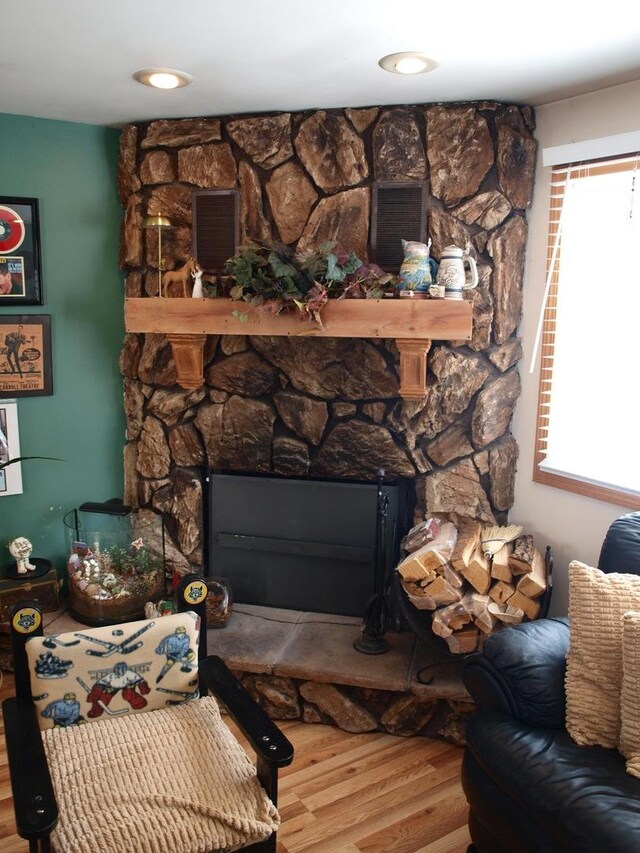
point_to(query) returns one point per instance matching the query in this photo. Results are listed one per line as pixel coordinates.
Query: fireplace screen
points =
(300, 544)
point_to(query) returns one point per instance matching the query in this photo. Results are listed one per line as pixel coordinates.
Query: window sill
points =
(587, 490)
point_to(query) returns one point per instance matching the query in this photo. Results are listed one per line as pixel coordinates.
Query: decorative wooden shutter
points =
(215, 227)
(398, 212)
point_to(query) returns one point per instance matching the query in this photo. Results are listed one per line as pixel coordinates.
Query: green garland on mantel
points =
(276, 278)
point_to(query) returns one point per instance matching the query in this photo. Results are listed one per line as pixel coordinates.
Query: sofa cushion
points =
(621, 547)
(630, 696)
(582, 794)
(597, 602)
(521, 671)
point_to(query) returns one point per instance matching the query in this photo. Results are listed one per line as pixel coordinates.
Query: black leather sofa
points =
(529, 786)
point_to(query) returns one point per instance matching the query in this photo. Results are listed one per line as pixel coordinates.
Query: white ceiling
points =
(73, 59)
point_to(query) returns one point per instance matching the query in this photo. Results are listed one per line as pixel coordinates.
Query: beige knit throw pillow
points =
(593, 681)
(630, 697)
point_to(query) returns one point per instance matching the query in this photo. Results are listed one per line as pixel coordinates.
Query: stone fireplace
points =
(328, 407)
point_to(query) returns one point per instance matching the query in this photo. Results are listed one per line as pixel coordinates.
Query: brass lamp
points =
(158, 221)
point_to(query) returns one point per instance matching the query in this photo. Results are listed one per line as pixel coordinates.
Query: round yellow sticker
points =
(195, 592)
(26, 620)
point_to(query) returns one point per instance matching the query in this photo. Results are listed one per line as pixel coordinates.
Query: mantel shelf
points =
(412, 323)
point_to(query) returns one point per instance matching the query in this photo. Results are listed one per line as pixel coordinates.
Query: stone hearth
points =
(303, 666)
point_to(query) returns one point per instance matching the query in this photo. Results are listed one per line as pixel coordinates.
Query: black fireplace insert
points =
(303, 544)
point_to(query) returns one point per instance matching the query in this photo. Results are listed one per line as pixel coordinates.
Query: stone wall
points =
(321, 406)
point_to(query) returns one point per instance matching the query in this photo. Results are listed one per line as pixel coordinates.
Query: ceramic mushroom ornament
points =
(20, 548)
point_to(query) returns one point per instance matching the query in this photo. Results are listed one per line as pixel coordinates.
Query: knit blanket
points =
(174, 779)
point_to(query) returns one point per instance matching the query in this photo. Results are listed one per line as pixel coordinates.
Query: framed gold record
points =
(20, 263)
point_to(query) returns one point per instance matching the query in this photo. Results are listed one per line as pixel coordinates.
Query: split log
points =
(477, 571)
(431, 556)
(439, 627)
(442, 592)
(521, 561)
(456, 615)
(468, 539)
(500, 565)
(482, 616)
(464, 641)
(507, 614)
(501, 592)
(535, 583)
(452, 576)
(417, 596)
(531, 608)
(411, 569)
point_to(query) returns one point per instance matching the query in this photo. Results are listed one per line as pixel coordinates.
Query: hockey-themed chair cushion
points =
(112, 671)
(175, 781)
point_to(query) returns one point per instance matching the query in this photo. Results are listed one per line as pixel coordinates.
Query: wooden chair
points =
(33, 763)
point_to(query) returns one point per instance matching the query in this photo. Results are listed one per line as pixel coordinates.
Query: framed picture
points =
(11, 476)
(20, 269)
(25, 355)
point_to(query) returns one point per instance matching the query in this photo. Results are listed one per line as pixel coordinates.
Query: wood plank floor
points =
(371, 793)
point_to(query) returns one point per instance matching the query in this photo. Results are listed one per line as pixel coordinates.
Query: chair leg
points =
(40, 845)
(266, 846)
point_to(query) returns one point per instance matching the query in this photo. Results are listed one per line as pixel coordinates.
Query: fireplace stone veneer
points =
(321, 406)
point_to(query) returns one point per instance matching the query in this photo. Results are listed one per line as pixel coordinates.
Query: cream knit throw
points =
(597, 602)
(173, 780)
(630, 699)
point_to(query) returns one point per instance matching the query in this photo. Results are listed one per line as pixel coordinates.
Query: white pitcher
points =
(452, 273)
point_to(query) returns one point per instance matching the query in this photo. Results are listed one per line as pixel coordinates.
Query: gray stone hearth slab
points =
(437, 675)
(254, 637)
(323, 651)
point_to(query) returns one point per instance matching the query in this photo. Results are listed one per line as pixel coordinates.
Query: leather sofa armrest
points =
(520, 672)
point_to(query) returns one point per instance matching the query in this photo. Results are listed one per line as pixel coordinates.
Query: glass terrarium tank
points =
(115, 562)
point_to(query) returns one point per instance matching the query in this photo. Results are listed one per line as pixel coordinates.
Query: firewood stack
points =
(471, 580)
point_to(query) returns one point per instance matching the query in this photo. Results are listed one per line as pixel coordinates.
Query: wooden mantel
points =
(412, 323)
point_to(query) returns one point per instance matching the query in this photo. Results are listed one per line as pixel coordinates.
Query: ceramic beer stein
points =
(452, 273)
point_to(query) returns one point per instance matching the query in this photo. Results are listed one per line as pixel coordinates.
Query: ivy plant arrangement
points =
(275, 278)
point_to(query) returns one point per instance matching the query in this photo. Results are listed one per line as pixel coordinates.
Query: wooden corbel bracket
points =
(413, 367)
(188, 354)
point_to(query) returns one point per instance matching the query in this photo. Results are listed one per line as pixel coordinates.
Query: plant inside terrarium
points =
(277, 279)
(114, 571)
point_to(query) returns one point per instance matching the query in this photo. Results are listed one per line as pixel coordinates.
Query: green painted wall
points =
(71, 169)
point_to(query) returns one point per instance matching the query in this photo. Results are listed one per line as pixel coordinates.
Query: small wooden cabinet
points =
(412, 323)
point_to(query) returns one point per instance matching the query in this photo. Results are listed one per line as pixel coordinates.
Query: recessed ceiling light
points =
(163, 78)
(407, 62)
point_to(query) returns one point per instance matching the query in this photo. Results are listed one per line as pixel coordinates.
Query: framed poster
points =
(11, 476)
(25, 355)
(20, 269)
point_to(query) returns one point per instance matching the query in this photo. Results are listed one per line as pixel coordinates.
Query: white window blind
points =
(588, 432)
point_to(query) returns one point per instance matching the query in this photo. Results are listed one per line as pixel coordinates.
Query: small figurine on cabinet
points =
(196, 275)
(180, 276)
(20, 548)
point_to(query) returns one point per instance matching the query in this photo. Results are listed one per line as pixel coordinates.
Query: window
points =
(587, 437)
